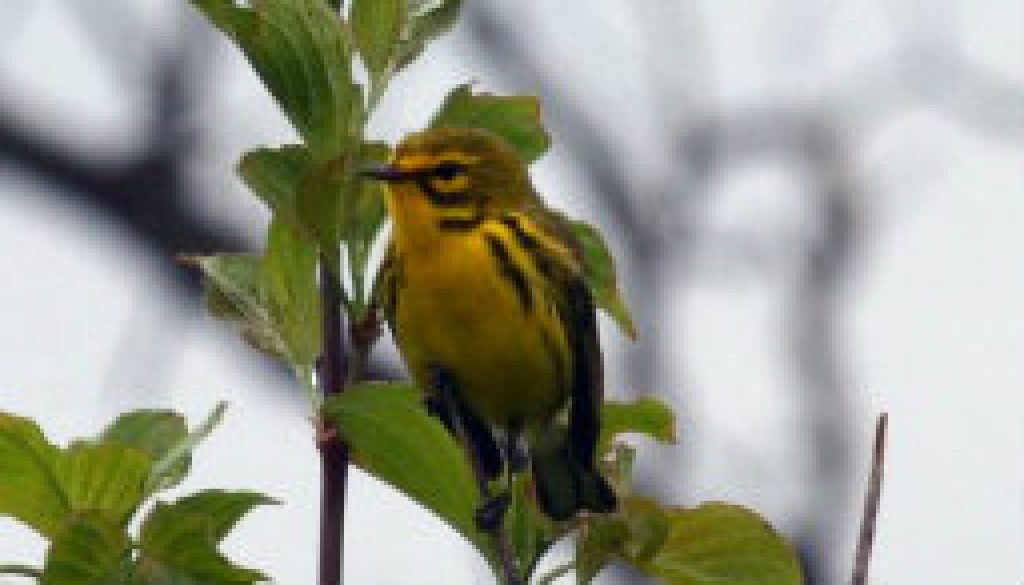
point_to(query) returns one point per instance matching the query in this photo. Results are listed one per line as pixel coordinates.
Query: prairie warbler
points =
(483, 289)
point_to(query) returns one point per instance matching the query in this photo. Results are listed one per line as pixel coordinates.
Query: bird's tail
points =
(566, 485)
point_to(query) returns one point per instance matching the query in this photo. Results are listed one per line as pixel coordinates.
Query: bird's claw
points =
(491, 512)
(516, 457)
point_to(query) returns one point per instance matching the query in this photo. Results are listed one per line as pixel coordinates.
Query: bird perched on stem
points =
(483, 288)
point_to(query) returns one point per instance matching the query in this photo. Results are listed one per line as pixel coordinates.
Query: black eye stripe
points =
(443, 200)
(447, 171)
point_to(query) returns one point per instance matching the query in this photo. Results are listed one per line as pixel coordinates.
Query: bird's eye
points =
(448, 171)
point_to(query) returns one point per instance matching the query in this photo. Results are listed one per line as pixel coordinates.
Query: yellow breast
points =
(496, 333)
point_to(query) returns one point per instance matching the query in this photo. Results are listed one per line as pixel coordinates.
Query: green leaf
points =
(515, 118)
(274, 175)
(273, 300)
(648, 416)
(722, 543)
(92, 550)
(634, 533)
(43, 486)
(647, 526)
(156, 432)
(530, 533)
(597, 545)
(221, 510)
(324, 201)
(29, 489)
(395, 440)
(427, 20)
(617, 465)
(318, 204)
(599, 271)
(377, 27)
(301, 50)
(303, 193)
(233, 290)
(290, 293)
(178, 455)
(178, 543)
(362, 213)
(107, 478)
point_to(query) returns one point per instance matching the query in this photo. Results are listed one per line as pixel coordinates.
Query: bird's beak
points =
(384, 173)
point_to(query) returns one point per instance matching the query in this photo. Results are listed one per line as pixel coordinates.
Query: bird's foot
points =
(516, 456)
(439, 381)
(491, 513)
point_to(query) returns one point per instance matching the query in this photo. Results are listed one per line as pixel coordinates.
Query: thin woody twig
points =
(871, 501)
(21, 571)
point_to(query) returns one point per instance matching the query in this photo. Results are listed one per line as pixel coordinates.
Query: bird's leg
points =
(491, 512)
(515, 454)
(477, 432)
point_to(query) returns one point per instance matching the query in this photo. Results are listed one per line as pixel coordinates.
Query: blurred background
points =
(817, 209)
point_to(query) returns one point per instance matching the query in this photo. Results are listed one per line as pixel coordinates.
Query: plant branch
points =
(556, 573)
(334, 452)
(508, 562)
(21, 571)
(871, 501)
(363, 333)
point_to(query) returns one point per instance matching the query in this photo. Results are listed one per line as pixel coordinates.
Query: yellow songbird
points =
(484, 291)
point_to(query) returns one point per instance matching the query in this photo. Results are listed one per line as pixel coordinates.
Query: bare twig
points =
(508, 561)
(871, 500)
(557, 573)
(21, 571)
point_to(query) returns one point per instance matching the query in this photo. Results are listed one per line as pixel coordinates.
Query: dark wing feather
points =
(566, 476)
(588, 383)
(578, 312)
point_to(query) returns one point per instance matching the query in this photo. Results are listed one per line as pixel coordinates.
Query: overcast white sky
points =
(934, 325)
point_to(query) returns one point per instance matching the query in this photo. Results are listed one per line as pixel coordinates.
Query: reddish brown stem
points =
(334, 454)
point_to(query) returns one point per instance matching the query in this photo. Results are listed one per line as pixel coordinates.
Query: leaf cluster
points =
(306, 53)
(394, 439)
(83, 497)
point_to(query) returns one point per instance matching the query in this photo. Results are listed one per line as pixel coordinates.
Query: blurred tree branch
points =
(150, 192)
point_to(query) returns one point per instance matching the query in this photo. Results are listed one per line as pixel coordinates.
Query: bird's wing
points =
(563, 267)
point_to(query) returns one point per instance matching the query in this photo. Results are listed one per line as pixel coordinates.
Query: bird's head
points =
(453, 173)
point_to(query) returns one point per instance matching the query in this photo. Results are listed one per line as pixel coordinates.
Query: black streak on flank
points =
(531, 245)
(508, 269)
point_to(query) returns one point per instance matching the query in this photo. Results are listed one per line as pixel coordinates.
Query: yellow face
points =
(443, 177)
(453, 174)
